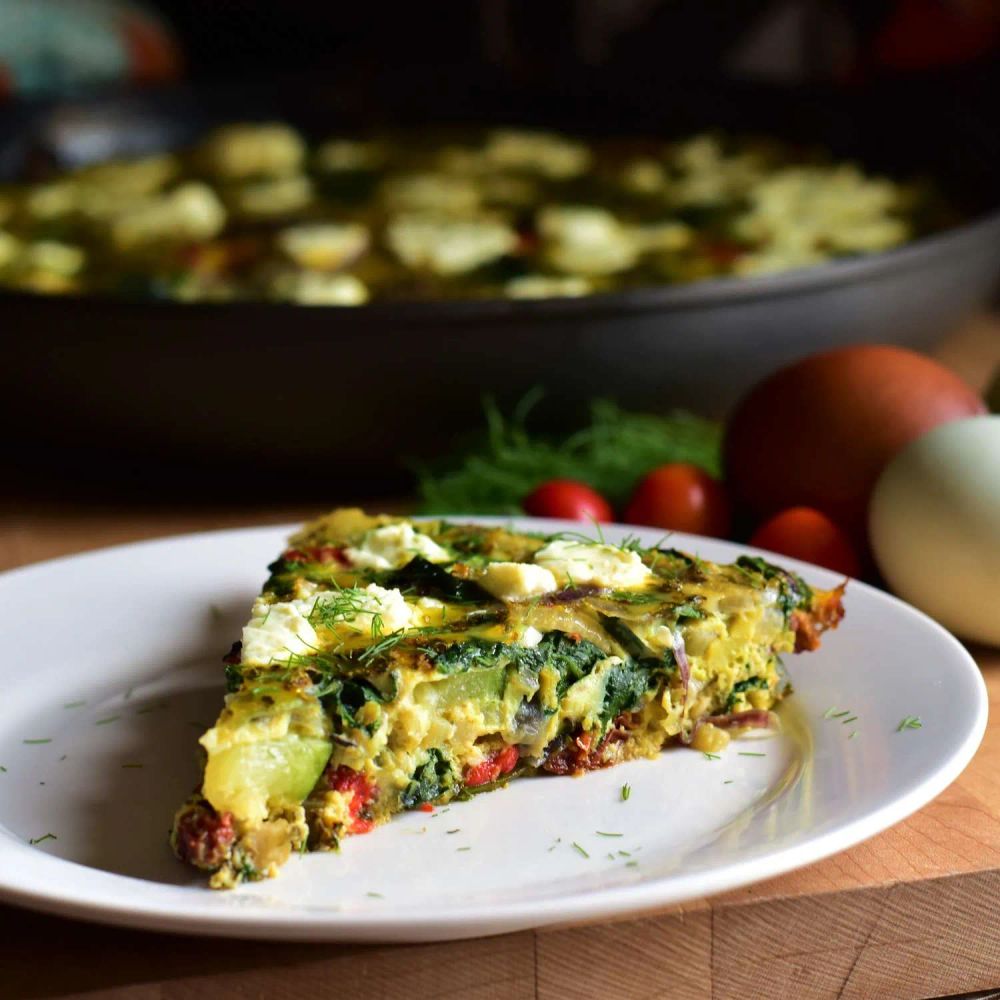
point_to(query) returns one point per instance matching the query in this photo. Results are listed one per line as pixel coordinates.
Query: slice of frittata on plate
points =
(392, 665)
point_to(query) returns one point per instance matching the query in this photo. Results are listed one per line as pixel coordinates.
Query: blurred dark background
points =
(506, 55)
(567, 46)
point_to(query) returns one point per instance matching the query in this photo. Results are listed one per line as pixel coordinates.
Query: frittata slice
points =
(391, 665)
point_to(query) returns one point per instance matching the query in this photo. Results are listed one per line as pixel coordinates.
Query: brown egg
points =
(819, 431)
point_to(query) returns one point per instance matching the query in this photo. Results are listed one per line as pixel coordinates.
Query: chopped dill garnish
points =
(341, 605)
(375, 895)
(840, 715)
(110, 718)
(751, 753)
(828, 714)
(711, 756)
(74, 704)
(855, 733)
(631, 864)
(3, 770)
(604, 833)
(625, 854)
(579, 849)
(728, 781)
(555, 844)
(463, 848)
(43, 837)
(383, 645)
(47, 739)
(853, 718)
(910, 722)
(457, 829)
(626, 792)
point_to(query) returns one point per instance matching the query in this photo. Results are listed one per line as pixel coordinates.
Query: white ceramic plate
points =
(111, 668)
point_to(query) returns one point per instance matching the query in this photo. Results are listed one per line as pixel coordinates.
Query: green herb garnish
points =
(711, 756)
(610, 454)
(626, 792)
(750, 753)
(579, 849)
(47, 739)
(604, 833)
(43, 837)
(910, 722)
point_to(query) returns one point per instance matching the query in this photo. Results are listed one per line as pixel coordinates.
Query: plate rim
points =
(470, 920)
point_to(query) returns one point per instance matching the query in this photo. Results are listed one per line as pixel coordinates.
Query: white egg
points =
(934, 523)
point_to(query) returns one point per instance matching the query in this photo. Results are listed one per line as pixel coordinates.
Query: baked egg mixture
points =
(391, 665)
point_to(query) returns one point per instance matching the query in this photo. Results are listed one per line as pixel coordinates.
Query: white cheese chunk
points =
(311, 288)
(394, 545)
(531, 637)
(546, 286)
(324, 246)
(545, 153)
(190, 212)
(594, 563)
(253, 150)
(277, 631)
(448, 246)
(512, 581)
(584, 239)
(379, 612)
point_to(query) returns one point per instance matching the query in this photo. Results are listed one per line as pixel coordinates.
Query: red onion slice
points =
(680, 655)
(754, 718)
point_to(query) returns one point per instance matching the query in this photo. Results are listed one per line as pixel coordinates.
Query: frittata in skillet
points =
(391, 665)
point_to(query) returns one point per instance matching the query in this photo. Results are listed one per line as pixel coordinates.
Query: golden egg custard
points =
(392, 665)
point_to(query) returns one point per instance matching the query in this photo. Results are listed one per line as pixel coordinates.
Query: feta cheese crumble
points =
(393, 546)
(277, 631)
(594, 563)
(512, 581)
(448, 246)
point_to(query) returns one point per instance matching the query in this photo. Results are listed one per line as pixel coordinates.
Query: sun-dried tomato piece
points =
(203, 837)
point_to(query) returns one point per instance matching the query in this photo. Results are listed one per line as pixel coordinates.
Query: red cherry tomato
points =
(806, 534)
(570, 499)
(680, 497)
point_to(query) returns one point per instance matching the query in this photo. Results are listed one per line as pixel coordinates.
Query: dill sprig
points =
(611, 453)
(910, 722)
(341, 605)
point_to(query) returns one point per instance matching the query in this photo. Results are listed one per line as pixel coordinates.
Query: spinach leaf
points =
(429, 580)
(740, 686)
(625, 685)
(473, 654)
(794, 592)
(430, 781)
(343, 698)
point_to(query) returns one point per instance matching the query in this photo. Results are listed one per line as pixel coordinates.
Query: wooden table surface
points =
(910, 913)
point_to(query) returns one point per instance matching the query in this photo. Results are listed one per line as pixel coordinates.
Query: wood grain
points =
(908, 914)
